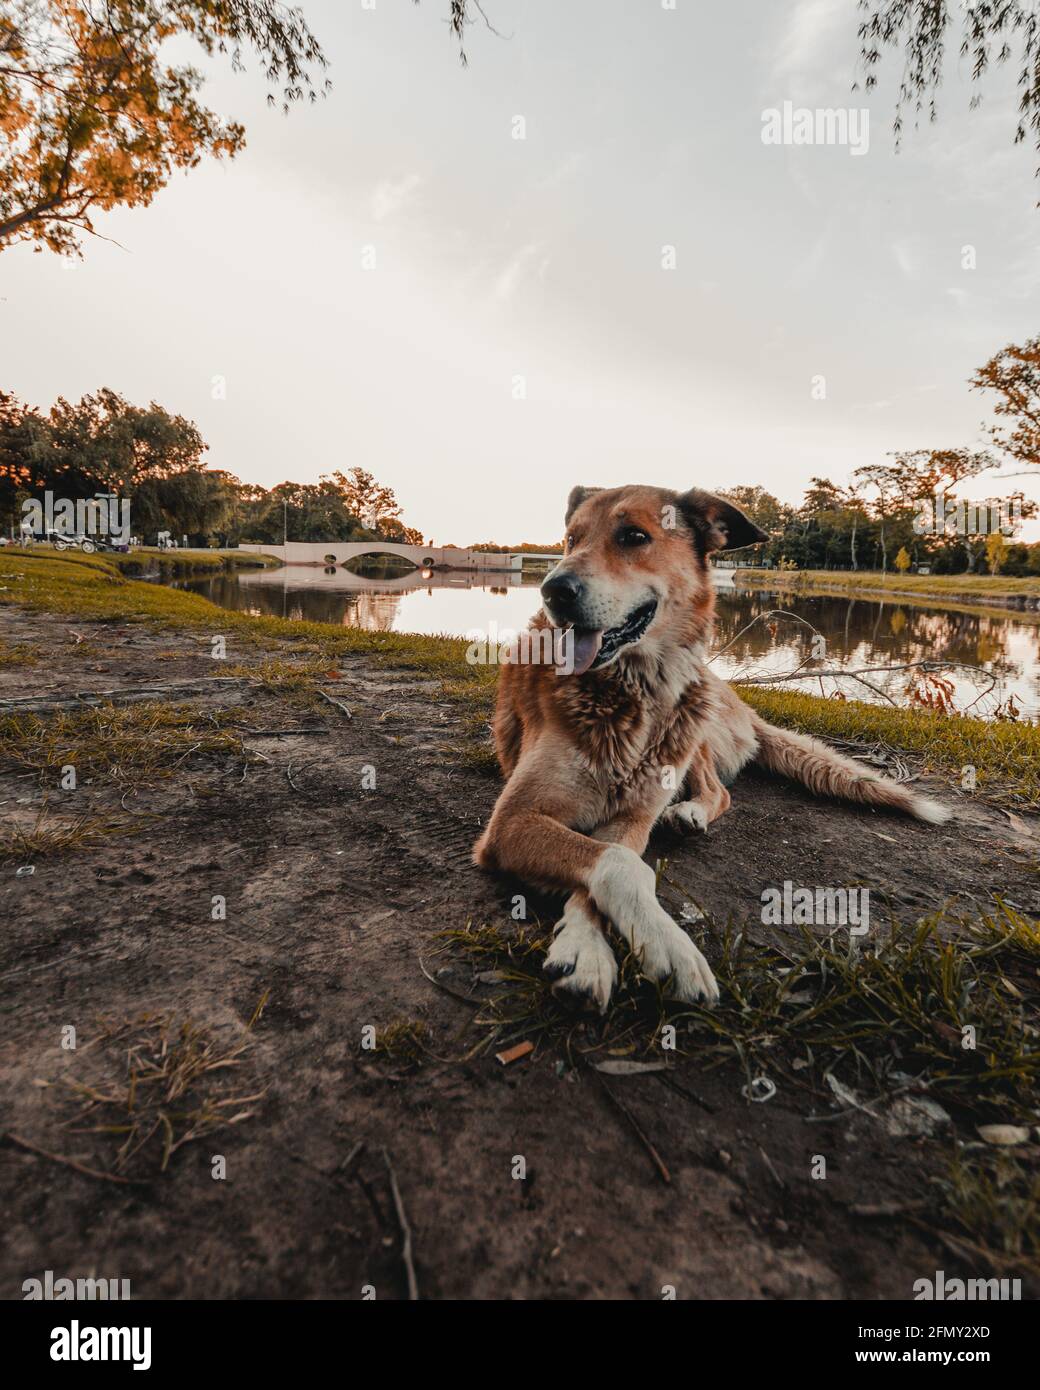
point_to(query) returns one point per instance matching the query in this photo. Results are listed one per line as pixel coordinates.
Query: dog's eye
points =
(632, 535)
(568, 540)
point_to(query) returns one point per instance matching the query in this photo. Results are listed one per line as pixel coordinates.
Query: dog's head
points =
(634, 575)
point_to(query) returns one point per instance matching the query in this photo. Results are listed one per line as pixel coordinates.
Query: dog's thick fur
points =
(648, 734)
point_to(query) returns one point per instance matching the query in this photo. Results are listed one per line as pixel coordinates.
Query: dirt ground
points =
(334, 892)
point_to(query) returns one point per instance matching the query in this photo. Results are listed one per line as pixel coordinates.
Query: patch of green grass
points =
(125, 745)
(1004, 754)
(51, 835)
(18, 655)
(183, 563)
(285, 676)
(404, 1040)
(993, 1200)
(916, 987)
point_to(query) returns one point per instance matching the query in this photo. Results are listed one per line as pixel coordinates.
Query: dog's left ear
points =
(716, 522)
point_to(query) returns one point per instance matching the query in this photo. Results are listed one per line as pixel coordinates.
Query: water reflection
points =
(869, 633)
(859, 633)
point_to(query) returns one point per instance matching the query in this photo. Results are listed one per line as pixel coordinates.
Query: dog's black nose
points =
(562, 592)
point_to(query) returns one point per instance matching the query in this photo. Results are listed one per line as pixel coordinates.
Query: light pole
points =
(285, 522)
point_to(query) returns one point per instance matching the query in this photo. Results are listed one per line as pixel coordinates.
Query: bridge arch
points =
(421, 556)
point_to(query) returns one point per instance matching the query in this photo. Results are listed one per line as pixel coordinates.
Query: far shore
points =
(1010, 596)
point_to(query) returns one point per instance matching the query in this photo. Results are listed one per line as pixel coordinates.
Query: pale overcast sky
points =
(541, 258)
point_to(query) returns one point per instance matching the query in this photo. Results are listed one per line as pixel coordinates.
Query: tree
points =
(902, 561)
(996, 552)
(1014, 373)
(103, 443)
(22, 433)
(365, 497)
(992, 32)
(92, 117)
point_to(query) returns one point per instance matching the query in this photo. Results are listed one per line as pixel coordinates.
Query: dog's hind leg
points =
(706, 798)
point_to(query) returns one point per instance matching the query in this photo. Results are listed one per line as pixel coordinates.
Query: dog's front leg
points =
(624, 888)
(538, 846)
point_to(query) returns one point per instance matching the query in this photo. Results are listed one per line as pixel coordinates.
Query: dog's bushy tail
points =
(828, 773)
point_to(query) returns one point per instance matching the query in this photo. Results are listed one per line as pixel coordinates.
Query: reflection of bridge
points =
(423, 557)
(342, 581)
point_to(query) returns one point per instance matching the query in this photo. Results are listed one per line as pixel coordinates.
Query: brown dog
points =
(632, 729)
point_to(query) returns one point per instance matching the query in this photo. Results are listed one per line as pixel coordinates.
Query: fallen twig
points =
(277, 733)
(455, 993)
(21, 1143)
(405, 1229)
(105, 697)
(623, 1109)
(338, 703)
(679, 1089)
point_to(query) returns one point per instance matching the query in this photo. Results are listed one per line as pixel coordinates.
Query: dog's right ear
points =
(577, 497)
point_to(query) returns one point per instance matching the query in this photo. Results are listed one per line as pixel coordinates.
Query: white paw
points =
(665, 952)
(623, 888)
(580, 961)
(684, 816)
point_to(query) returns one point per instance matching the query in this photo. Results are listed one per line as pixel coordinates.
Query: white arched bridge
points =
(421, 556)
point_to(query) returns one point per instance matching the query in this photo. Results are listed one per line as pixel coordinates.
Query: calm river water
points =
(859, 632)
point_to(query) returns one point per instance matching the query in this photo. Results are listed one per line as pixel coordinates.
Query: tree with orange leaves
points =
(92, 117)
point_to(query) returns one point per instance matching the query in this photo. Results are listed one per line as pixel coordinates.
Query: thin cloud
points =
(392, 195)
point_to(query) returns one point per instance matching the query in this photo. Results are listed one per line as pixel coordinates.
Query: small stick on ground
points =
(623, 1109)
(338, 703)
(21, 1143)
(345, 1169)
(769, 1164)
(105, 697)
(455, 993)
(277, 733)
(684, 1091)
(406, 1231)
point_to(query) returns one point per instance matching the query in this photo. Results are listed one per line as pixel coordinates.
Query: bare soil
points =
(334, 894)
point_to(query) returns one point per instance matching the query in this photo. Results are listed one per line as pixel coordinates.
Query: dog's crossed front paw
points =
(580, 961)
(666, 953)
(622, 887)
(685, 817)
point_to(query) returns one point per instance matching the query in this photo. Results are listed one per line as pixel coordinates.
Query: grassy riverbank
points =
(170, 564)
(1017, 597)
(1006, 756)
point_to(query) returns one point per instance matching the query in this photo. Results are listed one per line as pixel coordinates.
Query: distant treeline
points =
(886, 520)
(554, 548)
(103, 444)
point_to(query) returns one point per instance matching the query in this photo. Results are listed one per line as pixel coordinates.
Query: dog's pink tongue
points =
(586, 647)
